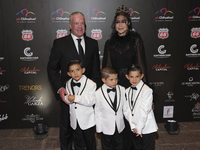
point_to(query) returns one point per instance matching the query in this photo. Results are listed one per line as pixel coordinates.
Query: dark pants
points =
(127, 134)
(112, 142)
(66, 132)
(147, 142)
(84, 139)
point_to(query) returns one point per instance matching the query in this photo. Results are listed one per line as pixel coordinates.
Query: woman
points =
(125, 47)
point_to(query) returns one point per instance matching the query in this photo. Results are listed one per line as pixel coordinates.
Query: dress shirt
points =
(76, 42)
(111, 94)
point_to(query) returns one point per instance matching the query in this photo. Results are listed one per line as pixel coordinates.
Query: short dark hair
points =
(74, 62)
(105, 72)
(134, 67)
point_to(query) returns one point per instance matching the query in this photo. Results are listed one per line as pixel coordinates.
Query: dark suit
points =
(63, 51)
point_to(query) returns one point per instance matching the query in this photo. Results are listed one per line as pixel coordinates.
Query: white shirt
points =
(76, 42)
(111, 94)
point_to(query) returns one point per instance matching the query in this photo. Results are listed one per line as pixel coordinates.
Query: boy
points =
(139, 97)
(81, 98)
(109, 109)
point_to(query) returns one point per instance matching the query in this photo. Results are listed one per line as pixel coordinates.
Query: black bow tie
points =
(76, 84)
(133, 88)
(113, 89)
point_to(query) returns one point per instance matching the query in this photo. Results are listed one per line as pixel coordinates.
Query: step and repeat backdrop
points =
(171, 35)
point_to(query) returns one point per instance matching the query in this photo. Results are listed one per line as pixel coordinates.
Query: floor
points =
(24, 139)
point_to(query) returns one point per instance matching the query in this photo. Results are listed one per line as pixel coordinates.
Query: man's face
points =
(77, 25)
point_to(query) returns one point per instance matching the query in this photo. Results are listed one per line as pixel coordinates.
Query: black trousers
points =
(66, 132)
(112, 142)
(127, 134)
(147, 142)
(84, 139)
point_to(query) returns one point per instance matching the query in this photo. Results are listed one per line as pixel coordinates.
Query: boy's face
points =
(134, 77)
(111, 81)
(75, 71)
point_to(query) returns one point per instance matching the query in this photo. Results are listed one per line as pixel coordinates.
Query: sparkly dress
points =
(122, 51)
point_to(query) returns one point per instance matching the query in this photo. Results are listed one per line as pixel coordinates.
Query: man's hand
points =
(62, 93)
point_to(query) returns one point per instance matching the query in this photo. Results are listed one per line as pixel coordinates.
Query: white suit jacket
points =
(142, 114)
(82, 108)
(105, 115)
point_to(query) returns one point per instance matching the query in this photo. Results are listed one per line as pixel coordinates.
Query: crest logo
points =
(163, 15)
(27, 35)
(96, 34)
(163, 33)
(22, 16)
(96, 15)
(194, 15)
(195, 33)
(61, 33)
(60, 16)
(134, 15)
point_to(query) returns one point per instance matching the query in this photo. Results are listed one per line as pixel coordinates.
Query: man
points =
(64, 50)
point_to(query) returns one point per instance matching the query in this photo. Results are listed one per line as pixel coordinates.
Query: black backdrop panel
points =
(171, 35)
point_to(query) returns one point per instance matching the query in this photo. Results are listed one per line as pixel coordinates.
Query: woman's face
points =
(121, 25)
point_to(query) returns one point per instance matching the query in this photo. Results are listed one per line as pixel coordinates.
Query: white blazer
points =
(105, 115)
(142, 113)
(82, 108)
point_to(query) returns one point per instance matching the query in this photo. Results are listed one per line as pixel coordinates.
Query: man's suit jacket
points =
(63, 51)
(142, 113)
(82, 109)
(105, 115)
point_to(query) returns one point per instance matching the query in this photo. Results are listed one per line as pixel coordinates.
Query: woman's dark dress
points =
(121, 52)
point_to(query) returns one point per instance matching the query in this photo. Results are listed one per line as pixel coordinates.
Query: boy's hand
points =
(137, 134)
(71, 98)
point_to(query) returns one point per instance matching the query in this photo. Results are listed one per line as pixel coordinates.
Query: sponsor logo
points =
(194, 15)
(196, 110)
(32, 101)
(28, 55)
(27, 35)
(1, 58)
(1, 101)
(159, 67)
(163, 33)
(25, 16)
(61, 33)
(134, 15)
(194, 51)
(191, 83)
(157, 83)
(32, 118)
(168, 111)
(191, 66)
(3, 88)
(162, 52)
(60, 16)
(96, 34)
(3, 117)
(2, 71)
(164, 15)
(30, 87)
(27, 70)
(170, 97)
(96, 15)
(194, 96)
(195, 33)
